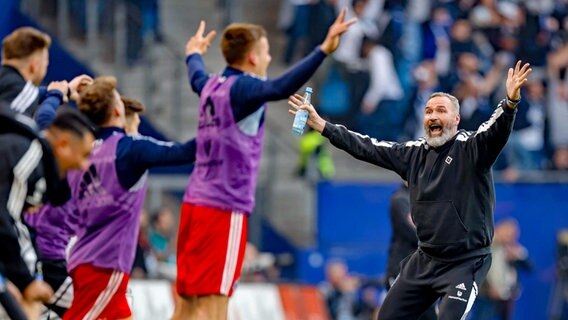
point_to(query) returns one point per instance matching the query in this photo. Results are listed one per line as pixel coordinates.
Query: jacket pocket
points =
(438, 223)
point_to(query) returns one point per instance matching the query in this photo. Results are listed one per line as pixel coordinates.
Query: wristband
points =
(513, 102)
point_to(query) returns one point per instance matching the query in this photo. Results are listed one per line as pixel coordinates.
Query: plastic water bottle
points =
(302, 115)
(39, 271)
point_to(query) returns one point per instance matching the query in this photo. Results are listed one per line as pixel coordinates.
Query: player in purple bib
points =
(54, 226)
(109, 196)
(220, 194)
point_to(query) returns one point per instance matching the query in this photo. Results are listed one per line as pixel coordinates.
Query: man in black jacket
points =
(31, 168)
(452, 198)
(25, 57)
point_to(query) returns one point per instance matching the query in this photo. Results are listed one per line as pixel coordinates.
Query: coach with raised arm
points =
(452, 198)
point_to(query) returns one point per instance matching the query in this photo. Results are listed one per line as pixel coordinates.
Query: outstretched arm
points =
(493, 134)
(137, 154)
(389, 155)
(258, 91)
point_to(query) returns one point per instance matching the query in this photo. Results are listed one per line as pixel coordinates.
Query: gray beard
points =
(438, 141)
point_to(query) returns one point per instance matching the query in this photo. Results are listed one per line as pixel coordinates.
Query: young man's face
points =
(440, 121)
(262, 58)
(72, 151)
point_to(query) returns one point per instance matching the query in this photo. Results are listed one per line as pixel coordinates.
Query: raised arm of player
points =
(195, 47)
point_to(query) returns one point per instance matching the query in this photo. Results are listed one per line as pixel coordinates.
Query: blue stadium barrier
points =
(353, 225)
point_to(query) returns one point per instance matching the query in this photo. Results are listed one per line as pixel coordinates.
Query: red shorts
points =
(98, 294)
(211, 248)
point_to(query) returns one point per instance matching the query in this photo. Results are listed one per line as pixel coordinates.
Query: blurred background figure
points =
(259, 267)
(140, 267)
(558, 308)
(132, 110)
(501, 289)
(339, 290)
(162, 241)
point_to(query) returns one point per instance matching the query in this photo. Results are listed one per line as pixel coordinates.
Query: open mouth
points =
(435, 129)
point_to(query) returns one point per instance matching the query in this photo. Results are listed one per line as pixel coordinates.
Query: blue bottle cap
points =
(309, 90)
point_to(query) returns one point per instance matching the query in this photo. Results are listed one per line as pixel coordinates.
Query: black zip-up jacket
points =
(452, 195)
(28, 177)
(21, 96)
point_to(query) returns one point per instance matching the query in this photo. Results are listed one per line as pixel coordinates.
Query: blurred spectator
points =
(162, 240)
(473, 89)
(140, 267)
(132, 110)
(558, 309)
(384, 84)
(403, 50)
(501, 288)
(162, 234)
(262, 266)
(367, 304)
(150, 11)
(339, 290)
(461, 40)
(426, 83)
(322, 15)
(436, 44)
(525, 148)
(484, 15)
(560, 158)
(352, 64)
(558, 107)
(296, 25)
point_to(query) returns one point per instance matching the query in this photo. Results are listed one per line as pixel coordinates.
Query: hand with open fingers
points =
(516, 78)
(198, 43)
(335, 31)
(314, 120)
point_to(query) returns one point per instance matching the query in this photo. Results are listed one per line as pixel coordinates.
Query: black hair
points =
(72, 120)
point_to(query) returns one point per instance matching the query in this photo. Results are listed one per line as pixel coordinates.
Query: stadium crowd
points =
(401, 51)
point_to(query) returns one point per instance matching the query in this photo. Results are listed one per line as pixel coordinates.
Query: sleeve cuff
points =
(320, 51)
(191, 56)
(55, 93)
(506, 108)
(328, 130)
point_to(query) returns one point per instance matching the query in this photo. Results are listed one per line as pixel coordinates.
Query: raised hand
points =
(197, 43)
(516, 78)
(314, 120)
(77, 84)
(335, 31)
